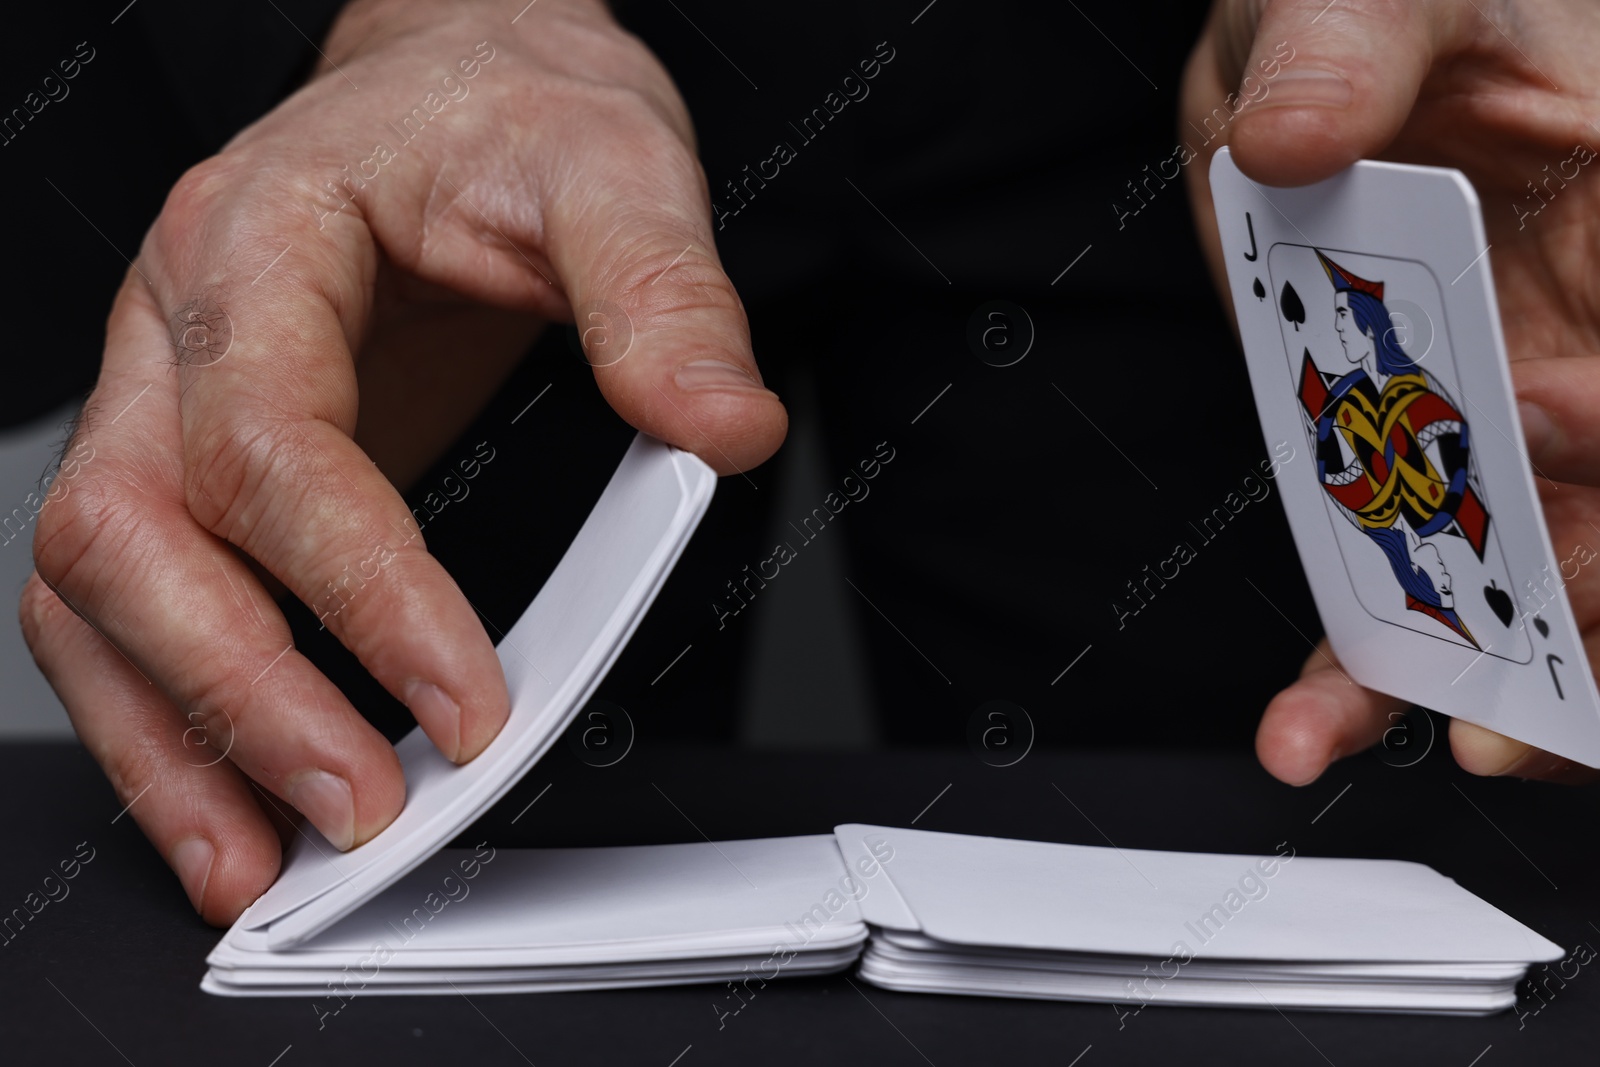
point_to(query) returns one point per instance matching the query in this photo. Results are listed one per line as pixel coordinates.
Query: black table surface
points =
(110, 973)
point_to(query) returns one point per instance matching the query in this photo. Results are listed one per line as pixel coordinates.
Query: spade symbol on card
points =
(1293, 310)
(1259, 290)
(1542, 626)
(1499, 602)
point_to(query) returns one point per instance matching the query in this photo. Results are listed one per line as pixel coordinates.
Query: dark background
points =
(110, 975)
(987, 556)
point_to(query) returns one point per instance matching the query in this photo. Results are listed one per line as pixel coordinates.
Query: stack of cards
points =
(938, 912)
(1367, 310)
(948, 913)
(982, 915)
(533, 920)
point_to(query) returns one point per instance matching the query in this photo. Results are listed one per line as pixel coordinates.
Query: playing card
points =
(541, 919)
(997, 893)
(553, 657)
(1367, 311)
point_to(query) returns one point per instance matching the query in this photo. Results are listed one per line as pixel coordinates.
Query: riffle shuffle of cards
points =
(920, 911)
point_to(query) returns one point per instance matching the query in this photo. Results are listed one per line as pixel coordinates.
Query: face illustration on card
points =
(1392, 439)
(1370, 323)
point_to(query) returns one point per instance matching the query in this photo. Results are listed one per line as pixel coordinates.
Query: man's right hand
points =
(1443, 83)
(528, 171)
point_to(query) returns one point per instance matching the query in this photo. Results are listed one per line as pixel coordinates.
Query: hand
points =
(1507, 92)
(526, 172)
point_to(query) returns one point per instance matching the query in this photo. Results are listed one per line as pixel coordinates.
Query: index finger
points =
(268, 414)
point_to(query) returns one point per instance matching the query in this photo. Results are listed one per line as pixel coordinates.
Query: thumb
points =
(1482, 751)
(657, 315)
(1327, 83)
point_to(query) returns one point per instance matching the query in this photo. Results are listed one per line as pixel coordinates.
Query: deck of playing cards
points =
(1367, 311)
(937, 912)
(983, 915)
(545, 920)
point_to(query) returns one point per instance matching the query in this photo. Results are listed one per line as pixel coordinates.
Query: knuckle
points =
(374, 598)
(213, 720)
(40, 613)
(236, 200)
(95, 523)
(665, 280)
(660, 155)
(356, 588)
(62, 536)
(221, 701)
(134, 764)
(195, 195)
(231, 468)
(607, 121)
(1384, 14)
(200, 184)
(1387, 11)
(661, 107)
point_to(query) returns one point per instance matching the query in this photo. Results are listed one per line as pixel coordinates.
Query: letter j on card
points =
(1367, 311)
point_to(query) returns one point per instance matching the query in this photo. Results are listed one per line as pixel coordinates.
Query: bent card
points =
(1367, 311)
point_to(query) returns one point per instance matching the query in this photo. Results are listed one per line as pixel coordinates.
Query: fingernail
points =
(715, 374)
(1515, 763)
(326, 800)
(1537, 427)
(1308, 88)
(1509, 770)
(430, 704)
(191, 859)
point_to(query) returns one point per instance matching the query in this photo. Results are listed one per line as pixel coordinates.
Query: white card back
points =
(554, 657)
(990, 891)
